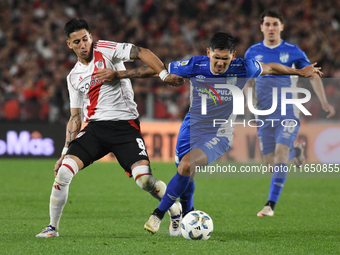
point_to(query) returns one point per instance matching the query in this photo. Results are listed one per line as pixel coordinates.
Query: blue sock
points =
(187, 199)
(177, 185)
(277, 182)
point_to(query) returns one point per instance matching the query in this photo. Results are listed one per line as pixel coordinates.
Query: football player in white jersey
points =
(276, 142)
(112, 117)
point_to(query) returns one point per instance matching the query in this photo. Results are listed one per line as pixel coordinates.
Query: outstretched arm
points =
(155, 67)
(278, 69)
(318, 88)
(141, 72)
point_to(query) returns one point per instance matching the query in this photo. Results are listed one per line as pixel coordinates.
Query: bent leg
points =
(179, 183)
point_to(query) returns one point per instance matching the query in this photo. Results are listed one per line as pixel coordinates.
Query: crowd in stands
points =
(35, 59)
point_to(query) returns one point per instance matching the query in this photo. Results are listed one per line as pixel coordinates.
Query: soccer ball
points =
(197, 225)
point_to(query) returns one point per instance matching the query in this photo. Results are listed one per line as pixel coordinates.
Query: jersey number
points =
(290, 127)
(140, 143)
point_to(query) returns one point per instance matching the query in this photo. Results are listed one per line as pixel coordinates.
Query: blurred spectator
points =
(35, 59)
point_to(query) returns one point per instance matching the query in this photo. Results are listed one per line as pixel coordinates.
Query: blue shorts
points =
(207, 140)
(270, 134)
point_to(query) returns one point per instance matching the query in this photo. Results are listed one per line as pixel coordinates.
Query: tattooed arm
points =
(154, 67)
(148, 58)
(73, 128)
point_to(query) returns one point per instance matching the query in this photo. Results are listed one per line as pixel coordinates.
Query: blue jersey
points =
(287, 54)
(219, 101)
(211, 90)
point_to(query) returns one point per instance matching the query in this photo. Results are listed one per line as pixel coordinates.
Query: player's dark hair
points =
(222, 41)
(75, 25)
(271, 13)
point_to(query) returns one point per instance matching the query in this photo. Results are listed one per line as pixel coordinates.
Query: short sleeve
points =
(76, 97)
(253, 68)
(302, 59)
(181, 68)
(114, 50)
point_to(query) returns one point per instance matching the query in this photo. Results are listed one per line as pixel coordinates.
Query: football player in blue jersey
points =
(276, 141)
(198, 143)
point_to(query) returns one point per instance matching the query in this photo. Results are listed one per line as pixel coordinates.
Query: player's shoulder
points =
(289, 46)
(191, 62)
(256, 46)
(72, 75)
(244, 65)
(198, 59)
(253, 50)
(242, 62)
(104, 45)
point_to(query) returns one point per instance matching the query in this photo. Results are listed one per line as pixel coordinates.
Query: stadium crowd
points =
(35, 59)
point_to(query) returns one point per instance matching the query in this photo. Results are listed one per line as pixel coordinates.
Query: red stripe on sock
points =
(69, 167)
(56, 187)
(140, 175)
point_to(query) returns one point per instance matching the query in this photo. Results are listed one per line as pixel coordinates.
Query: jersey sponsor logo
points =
(284, 56)
(259, 57)
(184, 63)
(204, 96)
(200, 78)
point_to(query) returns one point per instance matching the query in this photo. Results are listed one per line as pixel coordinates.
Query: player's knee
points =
(280, 156)
(146, 182)
(143, 177)
(184, 168)
(66, 172)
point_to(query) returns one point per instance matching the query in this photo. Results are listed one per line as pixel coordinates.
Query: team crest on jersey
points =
(99, 64)
(183, 63)
(284, 56)
(259, 57)
(232, 79)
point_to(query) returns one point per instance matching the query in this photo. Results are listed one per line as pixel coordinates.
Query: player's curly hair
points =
(272, 14)
(75, 25)
(222, 41)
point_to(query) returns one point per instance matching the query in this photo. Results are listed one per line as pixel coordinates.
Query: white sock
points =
(157, 188)
(60, 190)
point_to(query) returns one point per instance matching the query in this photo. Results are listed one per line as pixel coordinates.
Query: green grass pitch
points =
(106, 211)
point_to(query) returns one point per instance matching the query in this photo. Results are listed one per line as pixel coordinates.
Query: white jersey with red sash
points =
(103, 101)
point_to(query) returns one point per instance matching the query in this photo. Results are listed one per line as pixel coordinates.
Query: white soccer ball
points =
(197, 225)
